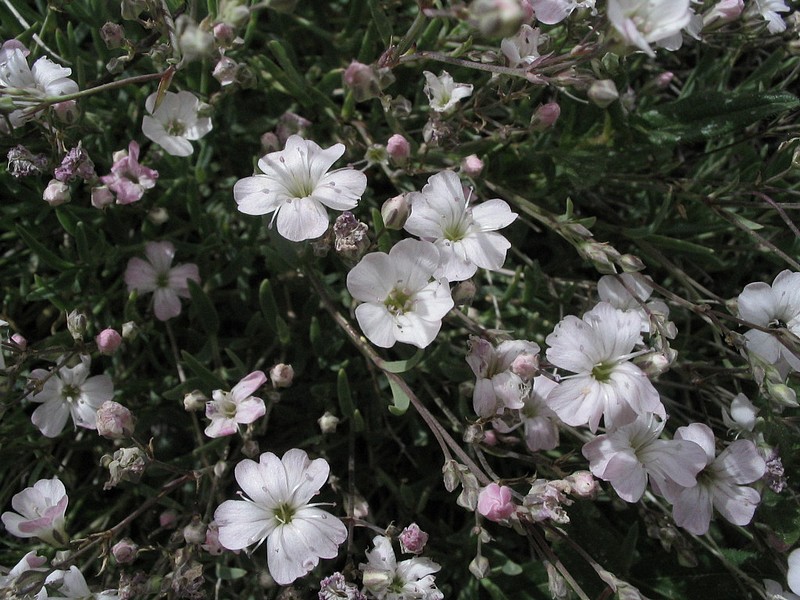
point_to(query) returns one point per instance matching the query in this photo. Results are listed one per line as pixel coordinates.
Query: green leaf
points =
(268, 305)
(400, 399)
(209, 319)
(495, 593)
(209, 379)
(381, 22)
(42, 252)
(230, 573)
(401, 366)
(343, 393)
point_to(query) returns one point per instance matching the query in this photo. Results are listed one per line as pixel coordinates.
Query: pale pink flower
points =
(523, 48)
(295, 184)
(70, 585)
(128, 179)
(539, 421)
(616, 290)
(229, 409)
(386, 579)
(628, 456)
(70, 391)
(769, 11)
(642, 22)
(551, 12)
(40, 512)
(175, 122)
(297, 533)
(720, 485)
(496, 503)
(465, 236)
(772, 306)
(444, 93)
(597, 348)
(157, 275)
(30, 562)
(400, 303)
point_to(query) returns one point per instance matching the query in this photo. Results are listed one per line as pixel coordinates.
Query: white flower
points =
(768, 10)
(720, 484)
(466, 236)
(30, 562)
(629, 455)
(175, 122)
(774, 306)
(444, 93)
(400, 302)
(793, 575)
(72, 584)
(642, 22)
(228, 409)
(743, 414)
(775, 591)
(296, 185)
(388, 580)
(31, 84)
(298, 534)
(598, 349)
(523, 48)
(40, 512)
(70, 391)
(551, 12)
(616, 290)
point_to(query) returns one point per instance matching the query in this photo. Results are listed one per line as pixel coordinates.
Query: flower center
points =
(70, 393)
(175, 127)
(227, 407)
(162, 280)
(603, 370)
(284, 513)
(397, 585)
(399, 301)
(776, 324)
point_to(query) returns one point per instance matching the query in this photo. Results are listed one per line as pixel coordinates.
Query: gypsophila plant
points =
(387, 300)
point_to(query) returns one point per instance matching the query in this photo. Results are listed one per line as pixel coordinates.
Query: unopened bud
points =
(224, 34)
(497, 18)
(195, 532)
(663, 80)
(631, 263)
(413, 539)
(102, 196)
(655, 363)
(225, 71)
(270, 142)
(603, 93)
(195, 401)
(112, 35)
(67, 111)
(545, 116)
(129, 330)
(450, 472)
(362, 80)
(168, 518)
(328, 422)
(108, 341)
(479, 567)
(76, 324)
(395, 211)
(399, 149)
(583, 484)
(56, 193)
(158, 215)
(601, 255)
(464, 292)
(723, 12)
(114, 421)
(782, 394)
(124, 551)
(193, 41)
(471, 166)
(19, 341)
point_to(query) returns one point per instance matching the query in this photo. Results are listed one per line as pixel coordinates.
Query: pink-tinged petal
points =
(257, 480)
(508, 388)
(13, 523)
(676, 460)
(96, 390)
(256, 196)
(569, 344)
(160, 255)
(700, 434)
(221, 426)
(626, 475)
(341, 190)
(551, 12)
(484, 401)
(242, 524)
(736, 503)
(248, 385)
(51, 417)
(52, 490)
(377, 324)
(693, 509)
(301, 219)
(166, 304)
(141, 276)
(540, 434)
(634, 389)
(492, 215)
(250, 409)
(372, 279)
(741, 462)
(578, 401)
(178, 277)
(305, 477)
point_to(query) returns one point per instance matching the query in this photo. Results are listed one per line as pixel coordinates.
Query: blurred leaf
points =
(42, 252)
(201, 303)
(210, 379)
(400, 399)
(401, 366)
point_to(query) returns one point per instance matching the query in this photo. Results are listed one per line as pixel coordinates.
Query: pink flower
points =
(158, 276)
(495, 503)
(228, 409)
(40, 512)
(413, 539)
(114, 421)
(128, 179)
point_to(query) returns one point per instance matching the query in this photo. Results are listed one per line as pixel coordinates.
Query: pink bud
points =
(471, 166)
(413, 539)
(102, 196)
(56, 193)
(225, 71)
(395, 211)
(663, 80)
(526, 366)
(583, 484)
(545, 116)
(108, 341)
(490, 437)
(113, 35)
(362, 80)
(398, 148)
(124, 551)
(114, 421)
(67, 111)
(494, 502)
(224, 34)
(168, 518)
(19, 341)
(281, 375)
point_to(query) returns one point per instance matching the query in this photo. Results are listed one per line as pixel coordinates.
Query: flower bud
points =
(76, 324)
(395, 211)
(19, 341)
(67, 111)
(168, 518)
(193, 41)
(224, 34)
(220, 468)
(479, 567)
(112, 35)
(225, 71)
(526, 366)
(556, 583)
(490, 437)
(158, 215)
(450, 472)
(471, 166)
(603, 93)
(270, 142)
(102, 196)
(108, 341)
(782, 394)
(723, 12)
(413, 539)
(583, 484)
(124, 551)
(545, 116)
(195, 532)
(194, 401)
(464, 292)
(497, 18)
(362, 80)
(131, 9)
(631, 263)
(56, 193)
(663, 80)
(114, 421)
(290, 124)
(495, 502)
(399, 149)
(129, 330)
(328, 422)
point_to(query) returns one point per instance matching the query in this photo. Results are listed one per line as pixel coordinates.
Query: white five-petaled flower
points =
(444, 93)
(630, 292)
(643, 22)
(774, 306)
(157, 275)
(277, 510)
(768, 10)
(720, 485)
(70, 391)
(597, 348)
(551, 12)
(387, 579)
(71, 584)
(44, 79)
(627, 456)
(465, 236)
(40, 512)
(295, 184)
(175, 122)
(228, 409)
(523, 48)
(400, 302)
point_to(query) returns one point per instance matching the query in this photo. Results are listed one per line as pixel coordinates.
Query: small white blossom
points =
(444, 93)
(642, 22)
(175, 122)
(769, 10)
(523, 48)
(387, 579)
